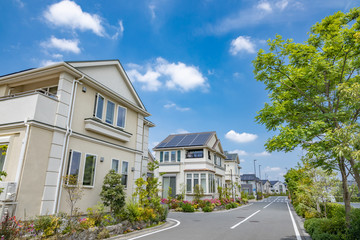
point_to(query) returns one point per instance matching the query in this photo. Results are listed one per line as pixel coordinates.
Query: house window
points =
(124, 173)
(194, 153)
(3, 150)
(110, 108)
(99, 106)
(203, 181)
(120, 122)
(74, 165)
(115, 165)
(196, 179)
(89, 170)
(173, 156)
(214, 159)
(211, 180)
(209, 155)
(161, 156)
(178, 155)
(188, 182)
(166, 156)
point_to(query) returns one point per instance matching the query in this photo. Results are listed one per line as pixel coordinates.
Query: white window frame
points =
(168, 156)
(106, 112)
(83, 173)
(127, 173)
(70, 163)
(5, 141)
(96, 107)
(191, 178)
(171, 155)
(119, 164)
(117, 116)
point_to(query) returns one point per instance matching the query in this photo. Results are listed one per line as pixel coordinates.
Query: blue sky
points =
(190, 61)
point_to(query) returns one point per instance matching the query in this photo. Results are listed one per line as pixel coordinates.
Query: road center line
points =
(245, 219)
(161, 230)
(294, 224)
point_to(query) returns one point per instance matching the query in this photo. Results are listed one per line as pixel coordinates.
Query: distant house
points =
(191, 159)
(277, 187)
(253, 181)
(265, 186)
(232, 173)
(70, 118)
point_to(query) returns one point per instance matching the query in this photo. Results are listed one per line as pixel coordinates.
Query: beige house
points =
(76, 118)
(232, 174)
(191, 159)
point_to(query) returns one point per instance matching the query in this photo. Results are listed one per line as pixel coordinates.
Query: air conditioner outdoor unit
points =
(8, 191)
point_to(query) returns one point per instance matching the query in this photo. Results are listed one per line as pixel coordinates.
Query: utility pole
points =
(261, 190)
(257, 197)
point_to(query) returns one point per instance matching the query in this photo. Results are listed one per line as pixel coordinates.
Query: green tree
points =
(3, 149)
(313, 90)
(73, 190)
(198, 193)
(112, 193)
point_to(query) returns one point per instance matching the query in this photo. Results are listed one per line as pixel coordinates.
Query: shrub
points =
(187, 207)
(207, 209)
(112, 192)
(96, 213)
(251, 197)
(198, 193)
(324, 228)
(47, 225)
(132, 212)
(9, 228)
(354, 229)
(335, 210)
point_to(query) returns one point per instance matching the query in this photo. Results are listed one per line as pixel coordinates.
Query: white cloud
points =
(45, 63)
(62, 44)
(272, 169)
(240, 137)
(242, 160)
(57, 55)
(262, 154)
(68, 14)
(242, 44)
(239, 152)
(177, 76)
(173, 105)
(265, 6)
(119, 30)
(282, 4)
(152, 11)
(149, 79)
(181, 131)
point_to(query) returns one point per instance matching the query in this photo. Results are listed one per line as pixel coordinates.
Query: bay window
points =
(188, 182)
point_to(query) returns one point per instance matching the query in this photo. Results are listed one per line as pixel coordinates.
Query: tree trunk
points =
(356, 172)
(345, 190)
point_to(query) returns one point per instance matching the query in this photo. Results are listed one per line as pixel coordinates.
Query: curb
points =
(136, 233)
(300, 221)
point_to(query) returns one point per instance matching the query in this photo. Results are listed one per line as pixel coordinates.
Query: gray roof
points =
(185, 140)
(248, 177)
(273, 182)
(230, 156)
(264, 181)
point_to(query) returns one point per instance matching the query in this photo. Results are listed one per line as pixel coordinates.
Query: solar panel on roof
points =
(200, 139)
(187, 140)
(174, 141)
(161, 144)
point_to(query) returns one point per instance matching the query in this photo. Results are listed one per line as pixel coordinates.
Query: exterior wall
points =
(91, 194)
(33, 178)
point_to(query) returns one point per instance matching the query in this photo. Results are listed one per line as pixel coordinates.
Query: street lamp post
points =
(257, 197)
(261, 190)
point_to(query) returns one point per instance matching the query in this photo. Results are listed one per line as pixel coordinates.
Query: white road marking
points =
(245, 219)
(271, 203)
(294, 224)
(161, 230)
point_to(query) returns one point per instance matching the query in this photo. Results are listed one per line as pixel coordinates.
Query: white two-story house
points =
(70, 118)
(191, 159)
(232, 174)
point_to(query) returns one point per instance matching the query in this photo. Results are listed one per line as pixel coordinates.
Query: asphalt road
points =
(267, 219)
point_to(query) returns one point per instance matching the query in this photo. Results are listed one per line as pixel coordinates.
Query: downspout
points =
(22, 156)
(66, 144)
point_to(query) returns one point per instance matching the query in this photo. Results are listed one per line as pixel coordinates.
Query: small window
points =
(110, 108)
(178, 155)
(188, 182)
(74, 165)
(3, 150)
(115, 165)
(99, 106)
(196, 179)
(89, 170)
(121, 113)
(209, 155)
(173, 156)
(124, 173)
(166, 158)
(203, 181)
(194, 154)
(161, 156)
